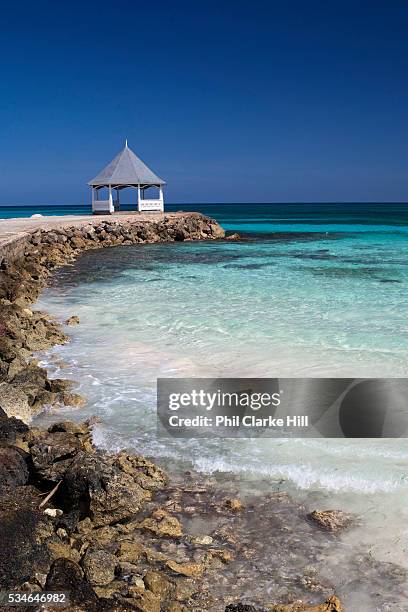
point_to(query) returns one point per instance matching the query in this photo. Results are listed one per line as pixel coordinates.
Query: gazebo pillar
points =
(138, 198)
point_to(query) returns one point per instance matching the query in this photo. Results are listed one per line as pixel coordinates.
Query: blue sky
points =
(227, 101)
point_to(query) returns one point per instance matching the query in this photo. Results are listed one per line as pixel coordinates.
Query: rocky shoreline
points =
(113, 530)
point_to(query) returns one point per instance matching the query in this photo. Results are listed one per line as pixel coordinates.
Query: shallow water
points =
(288, 301)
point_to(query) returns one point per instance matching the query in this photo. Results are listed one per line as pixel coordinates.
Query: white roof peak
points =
(126, 169)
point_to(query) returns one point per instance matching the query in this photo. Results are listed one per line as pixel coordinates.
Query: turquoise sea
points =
(311, 290)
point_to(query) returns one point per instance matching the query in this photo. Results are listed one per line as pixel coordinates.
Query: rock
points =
(13, 467)
(137, 586)
(74, 320)
(331, 520)
(84, 526)
(74, 400)
(241, 608)
(110, 494)
(66, 575)
(16, 366)
(130, 551)
(99, 567)
(21, 522)
(157, 583)
(10, 428)
(53, 454)
(192, 570)
(115, 587)
(14, 402)
(40, 579)
(234, 236)
(52, 512)
(57, 549)
(234, 504)
(128, 571)
(60, 385)
(146, 601)
(332, 604)
(202, 540)
(163, 524)
(143, 471)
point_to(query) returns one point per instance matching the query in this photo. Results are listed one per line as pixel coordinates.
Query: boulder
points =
(14, 402)
(13, 467)
(53, 453)
(10, 428)
(106, 493)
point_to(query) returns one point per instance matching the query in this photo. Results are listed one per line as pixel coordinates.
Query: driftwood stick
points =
(50, 494)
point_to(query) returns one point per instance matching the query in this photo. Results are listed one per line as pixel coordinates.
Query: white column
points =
(161, 197)
(138, 198)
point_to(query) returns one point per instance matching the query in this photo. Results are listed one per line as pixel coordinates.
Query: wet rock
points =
(332, 604)
(73, 399)
(234, 504)
(331, 520)
(13, 467)
(144, 472)
(99, 567)
(162, 523)
(234, 236)
(74, 320)
(192, 570)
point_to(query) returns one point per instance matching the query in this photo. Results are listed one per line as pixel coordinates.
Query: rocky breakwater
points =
(114, 531)
(27, 258)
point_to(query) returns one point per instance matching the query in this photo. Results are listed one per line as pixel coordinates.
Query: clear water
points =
(314, 290)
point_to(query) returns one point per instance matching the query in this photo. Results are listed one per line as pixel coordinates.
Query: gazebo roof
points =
(126, 169)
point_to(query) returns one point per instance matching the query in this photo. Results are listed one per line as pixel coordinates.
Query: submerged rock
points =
(74, 320)
(331, 520)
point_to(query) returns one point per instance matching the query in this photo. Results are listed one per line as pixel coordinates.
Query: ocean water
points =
(312, 290)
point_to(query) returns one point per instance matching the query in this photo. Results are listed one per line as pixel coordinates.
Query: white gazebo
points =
(126, 170)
